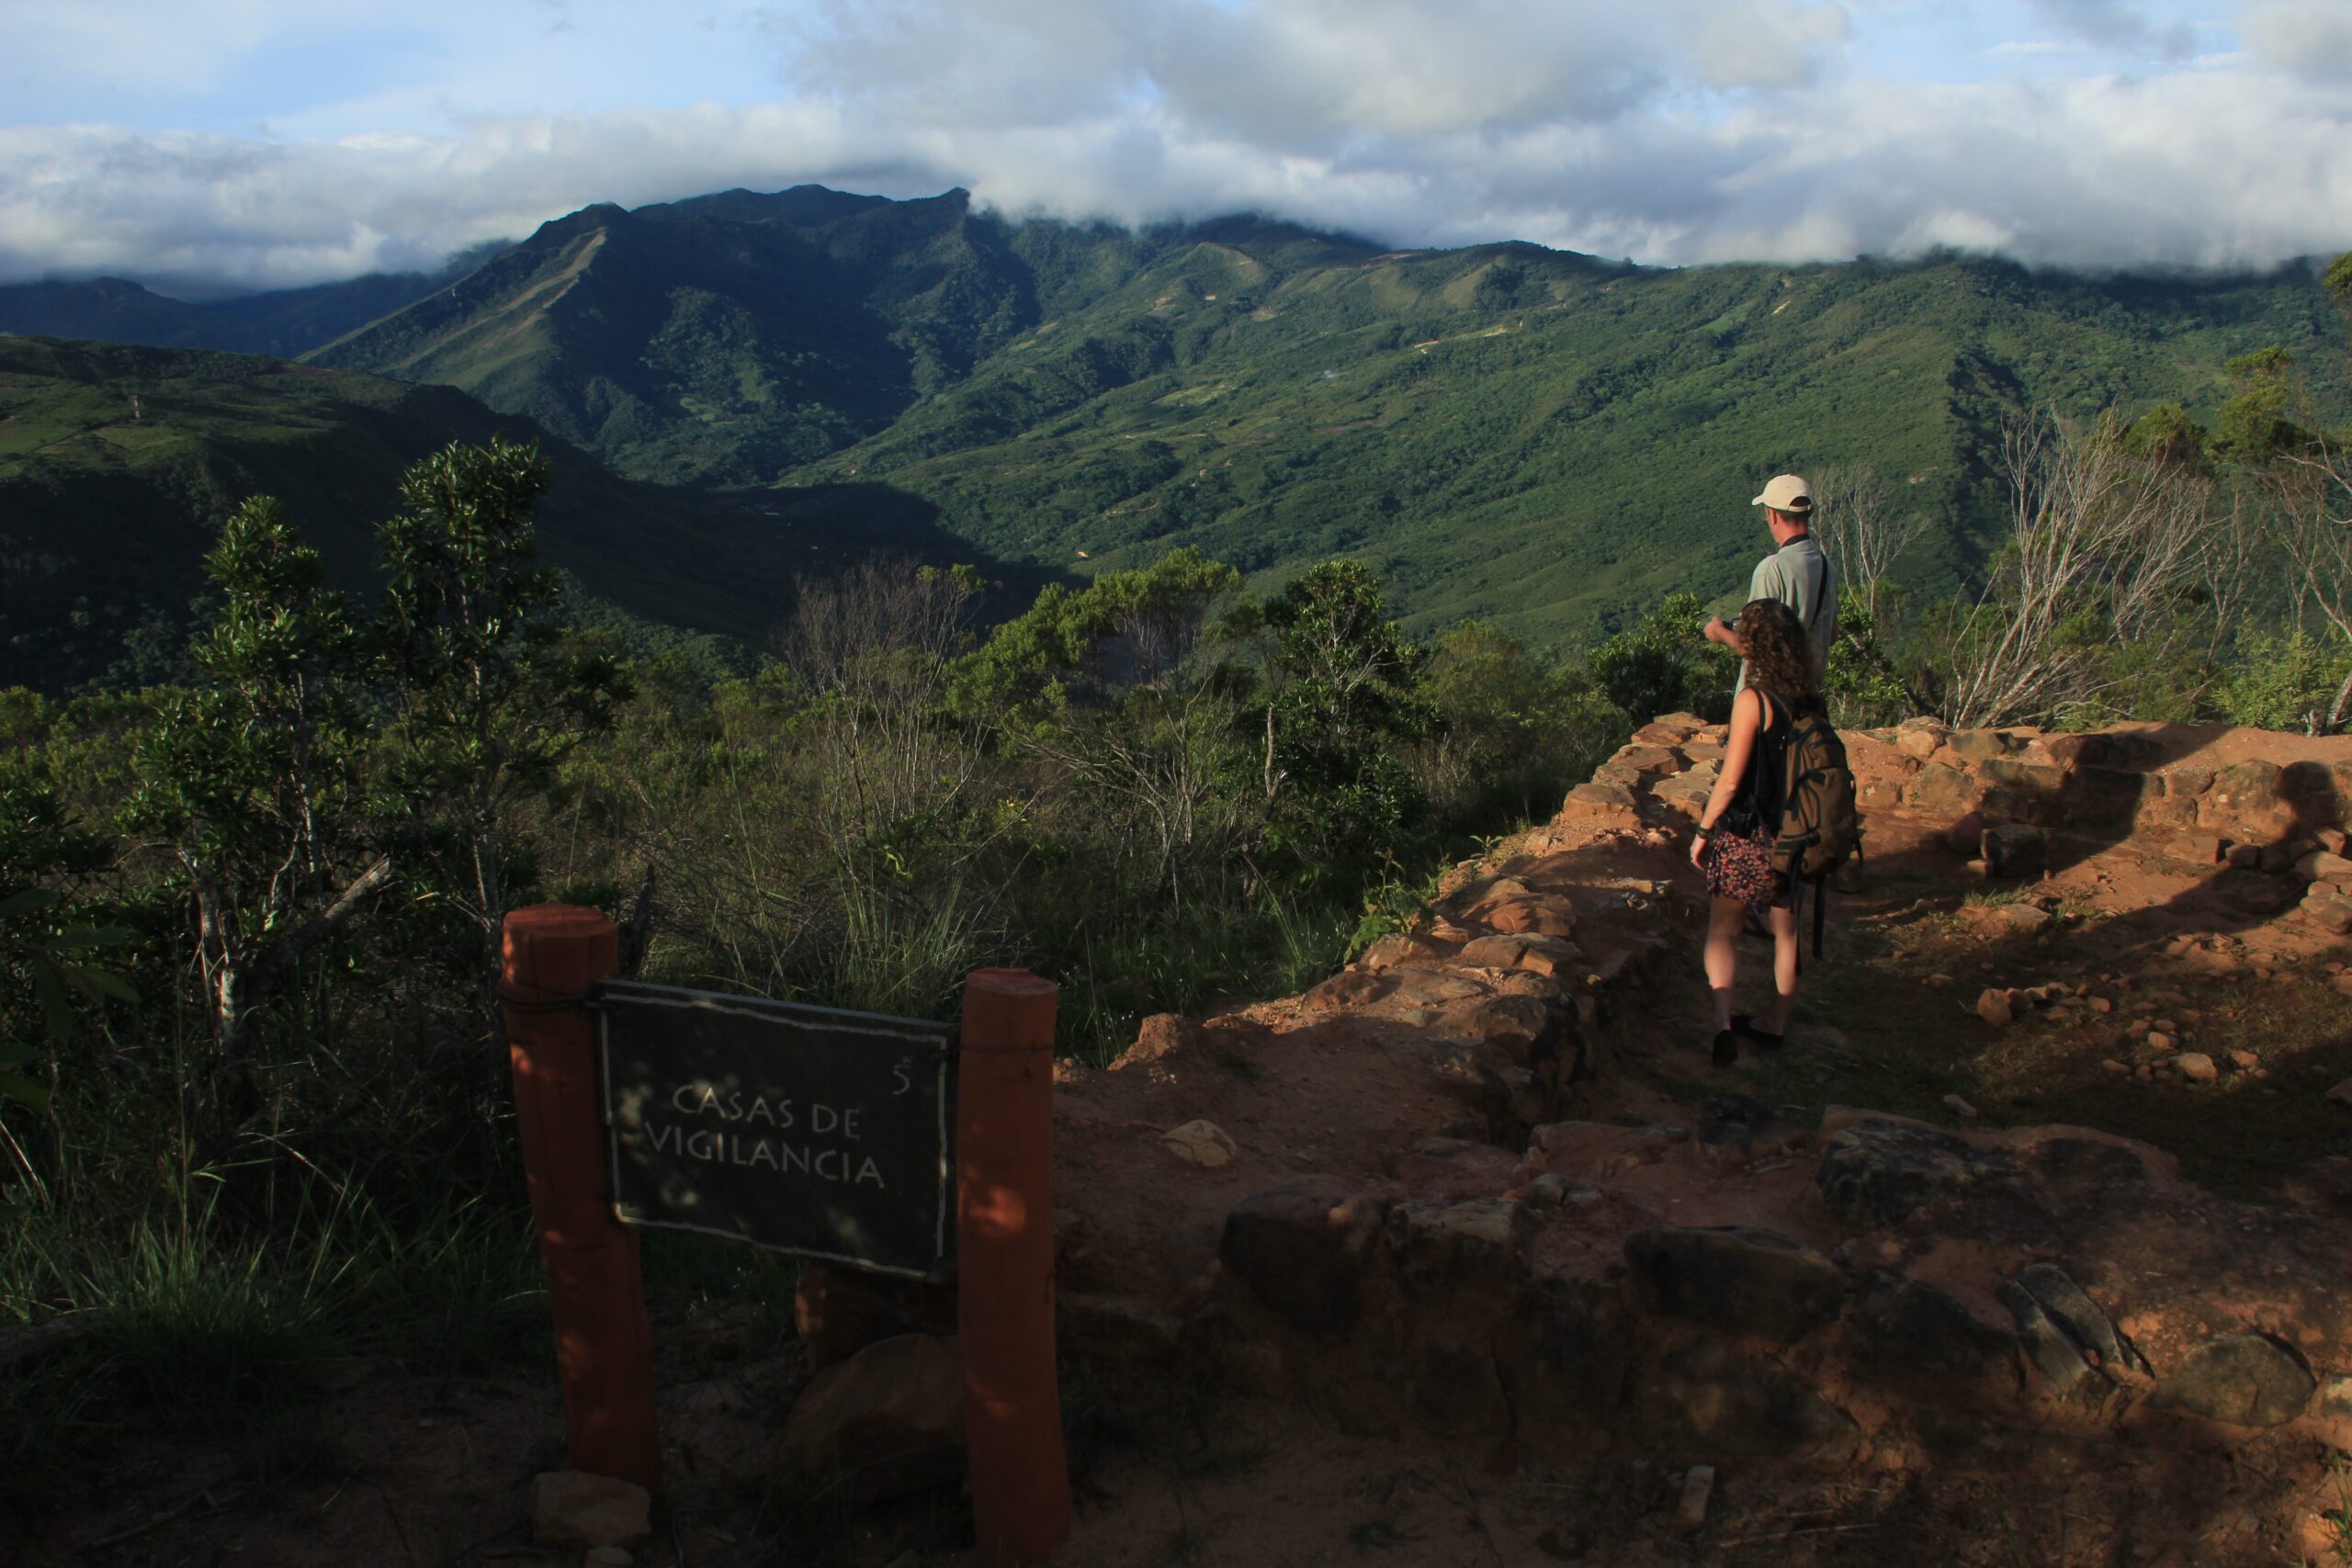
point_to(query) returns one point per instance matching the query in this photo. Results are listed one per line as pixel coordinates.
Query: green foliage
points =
(1345, 696)
(2253, 427)
(2166, 435)
(1663, 665)
(2286, 682)
(487, 698)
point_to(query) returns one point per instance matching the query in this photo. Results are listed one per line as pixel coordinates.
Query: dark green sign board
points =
(804, 1129)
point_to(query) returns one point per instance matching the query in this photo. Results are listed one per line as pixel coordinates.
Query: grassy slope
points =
(105, 518)
(1512, 432)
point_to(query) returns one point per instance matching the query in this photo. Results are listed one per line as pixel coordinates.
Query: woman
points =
(1733, 847)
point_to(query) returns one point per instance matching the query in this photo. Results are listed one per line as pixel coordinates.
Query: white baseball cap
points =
(1787, 492)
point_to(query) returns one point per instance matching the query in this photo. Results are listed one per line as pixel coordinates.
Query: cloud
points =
(2310, 39)
(2120, 25)
(1678, 131)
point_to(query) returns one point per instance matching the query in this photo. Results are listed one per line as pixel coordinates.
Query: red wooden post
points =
(1004, 1265)
(603, 1345)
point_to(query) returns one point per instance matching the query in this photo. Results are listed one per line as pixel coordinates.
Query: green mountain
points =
(285, 322)
(117, 464)
(1534, 437)
(1538, 437)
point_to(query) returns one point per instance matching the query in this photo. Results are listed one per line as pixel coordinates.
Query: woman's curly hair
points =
(1780, 655)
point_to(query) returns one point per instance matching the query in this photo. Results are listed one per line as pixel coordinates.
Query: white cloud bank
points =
(1678, 130)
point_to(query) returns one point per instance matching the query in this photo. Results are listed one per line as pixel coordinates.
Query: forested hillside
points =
(119, 463)
(1544, 439)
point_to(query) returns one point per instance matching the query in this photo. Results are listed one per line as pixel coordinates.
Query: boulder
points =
(2195, 1066)
(2246, 789)
(1965, 838)
(2241, 1380)
(2324, 866)
(1565, 1352)
(887, 1422)
(1995, 1006)
(2015, 849)
(839, 1312)
(1741, 1280)
(1200, 1143)
(1709, 1401)
(571, 1507)
(2070, 1308)
(1349, 988)
(1875, 1173)
(1303, 1249)
(1940, 791)
(1451, 1385)
(1478, 1241)
(1979, 745)
(1913, 1335)
(2329, 910)
(1737, 1129)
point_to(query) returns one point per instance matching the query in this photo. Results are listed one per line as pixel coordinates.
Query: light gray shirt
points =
(1801, 577)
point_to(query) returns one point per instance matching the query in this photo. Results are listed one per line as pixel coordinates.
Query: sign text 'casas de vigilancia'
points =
(805, 1129)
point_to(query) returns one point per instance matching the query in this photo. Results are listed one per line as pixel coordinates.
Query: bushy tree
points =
(487, 696)
(1344, 698)
(253, 776)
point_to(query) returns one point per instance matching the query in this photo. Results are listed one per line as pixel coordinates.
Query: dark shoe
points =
(1727, 1047)
(1765, 1041)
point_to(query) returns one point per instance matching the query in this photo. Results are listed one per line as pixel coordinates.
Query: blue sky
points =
(267, 143)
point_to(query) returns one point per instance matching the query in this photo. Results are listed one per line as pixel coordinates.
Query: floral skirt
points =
(1741, 869)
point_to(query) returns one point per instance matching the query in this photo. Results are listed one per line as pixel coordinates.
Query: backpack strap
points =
(1820, 912)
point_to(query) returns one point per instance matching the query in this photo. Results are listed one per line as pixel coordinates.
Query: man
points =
(1797, 573)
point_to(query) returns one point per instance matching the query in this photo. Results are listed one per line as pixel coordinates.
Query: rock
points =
(1922, 742)
(2341, 1094)
(2157, 1040)
(887, 1422)
(2331, 912)
(1201, 1143)
(1451, 1383)
(2052, 1352)
(1940, 791)
(1874, 1174)
(2026, 917)
(571, 1507)
(607, 1557)
(1565, 1352)
(1602, 1149)
(1391, 951)
(2205, 849)
(1544, 955)
(1965, 838)
(2015, 849)
(1911, 1335)
(2089, 1328)
(1737, 1129)
(1979, 745)
(2112, 1065)
(839, 1312)
(1530, 916)
(1349, 988)
(1305, 1249)
(1959, 1107)
(1739, 1279)
(2244, 857)
(1438, 1245)
(2249, 789)
(2195, 1066)
(1710, 1401)
(1994, 1007)
(2324, 866)
(1690, 1507)
(2241, 1380)
(2334, 1410)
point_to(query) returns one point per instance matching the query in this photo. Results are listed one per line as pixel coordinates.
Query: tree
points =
(487, 699)
(1865, 532)
(253, 776)
(1344, 691)
(2108, 550)
(1109, 685)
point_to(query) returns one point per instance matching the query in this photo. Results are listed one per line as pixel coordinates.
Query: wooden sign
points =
(804, 1129)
